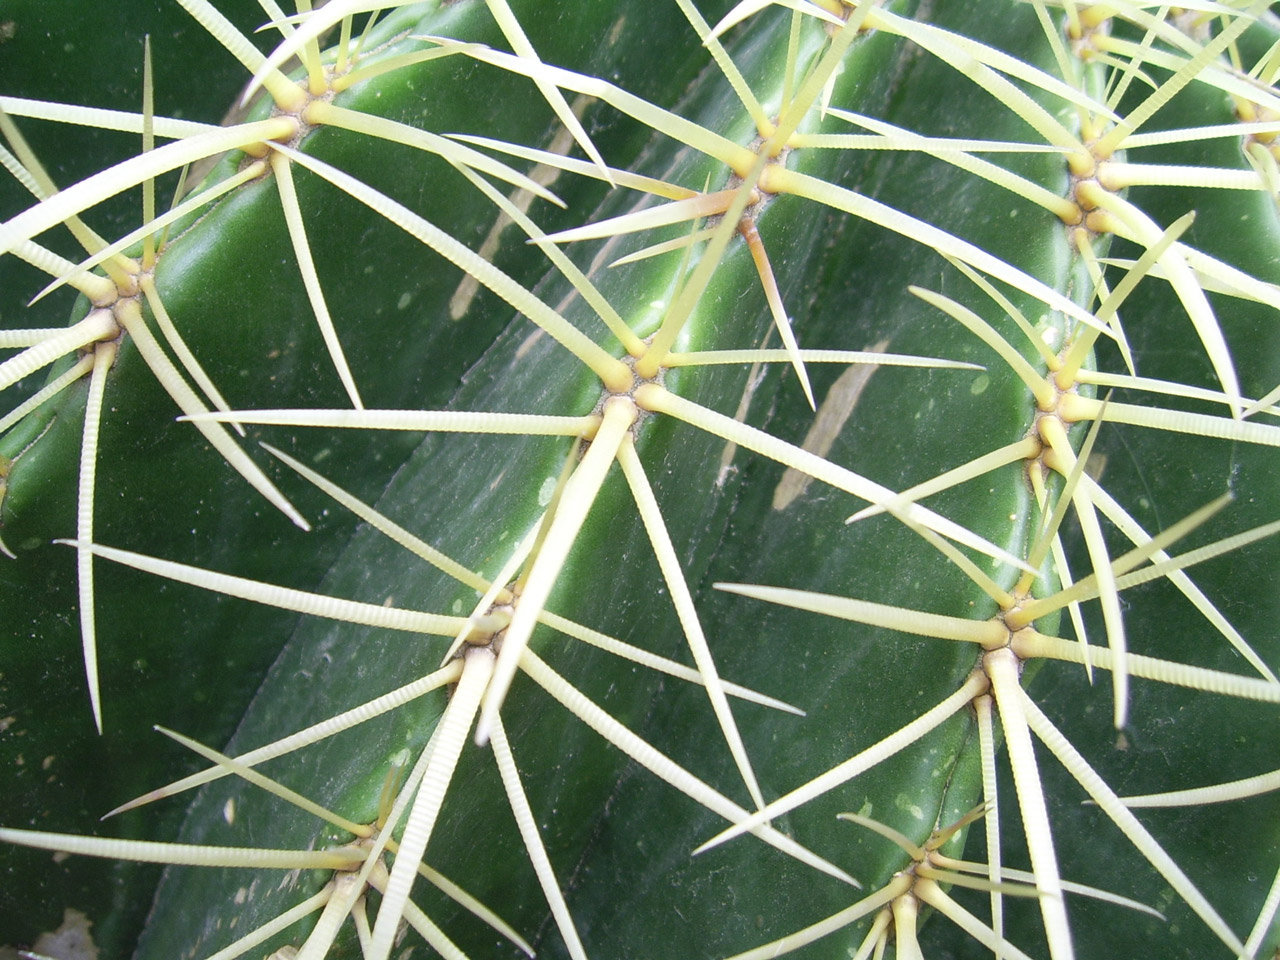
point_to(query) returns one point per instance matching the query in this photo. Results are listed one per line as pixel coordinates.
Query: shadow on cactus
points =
(655, 393)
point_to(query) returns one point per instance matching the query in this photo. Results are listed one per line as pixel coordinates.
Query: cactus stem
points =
(539, 535)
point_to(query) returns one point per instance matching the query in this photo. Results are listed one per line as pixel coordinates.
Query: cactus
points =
(845, 423)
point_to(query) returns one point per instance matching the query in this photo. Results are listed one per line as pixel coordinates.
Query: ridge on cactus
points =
(510, 453)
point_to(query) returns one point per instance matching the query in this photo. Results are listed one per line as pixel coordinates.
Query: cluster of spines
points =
(611, 432)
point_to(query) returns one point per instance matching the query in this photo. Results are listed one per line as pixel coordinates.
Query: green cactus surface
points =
(687, 479)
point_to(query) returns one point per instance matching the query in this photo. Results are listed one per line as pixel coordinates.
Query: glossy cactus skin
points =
(228, 671)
